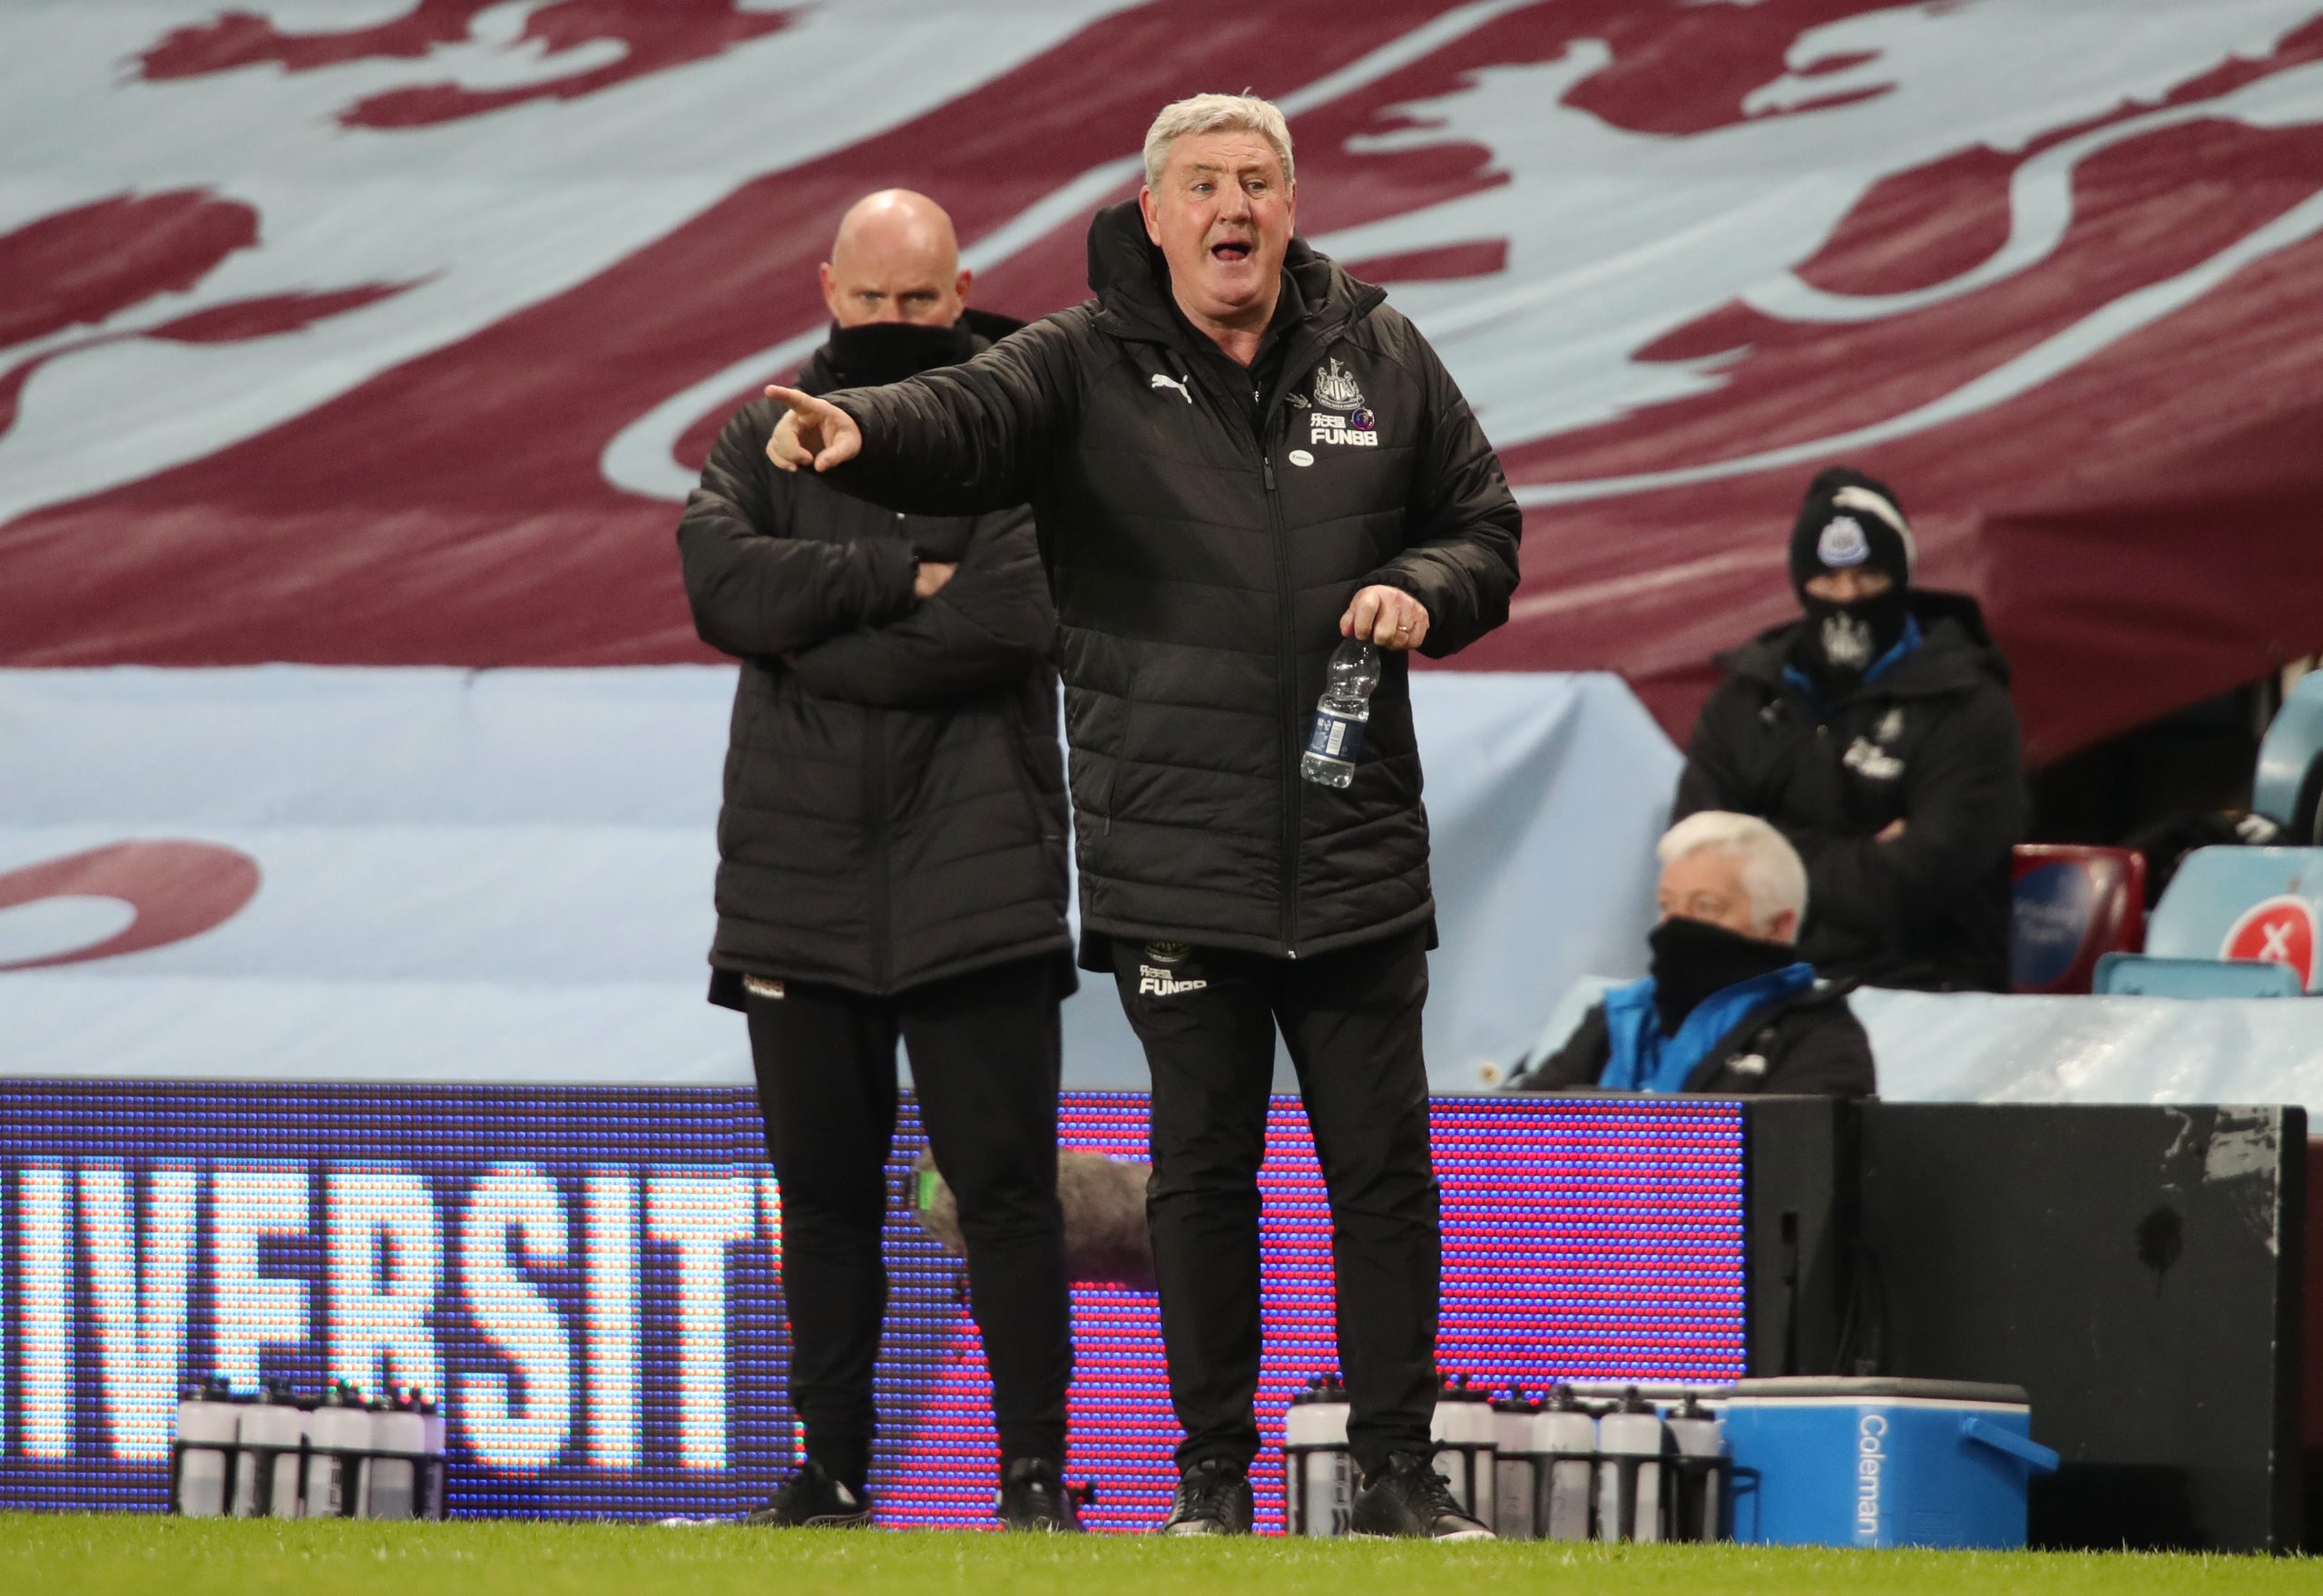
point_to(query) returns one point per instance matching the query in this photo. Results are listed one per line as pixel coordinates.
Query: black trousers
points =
(1351, 1021)
(984, 1057)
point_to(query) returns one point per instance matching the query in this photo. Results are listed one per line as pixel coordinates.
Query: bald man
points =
(892, 867)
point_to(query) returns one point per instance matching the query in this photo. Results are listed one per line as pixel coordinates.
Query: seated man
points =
(1877, 735)
(1727, 1010)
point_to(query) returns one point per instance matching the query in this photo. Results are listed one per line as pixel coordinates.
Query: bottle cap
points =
(1516, 1402)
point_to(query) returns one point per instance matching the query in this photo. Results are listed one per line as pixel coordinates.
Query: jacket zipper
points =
(1267, 425)
(1287, 693)
(875, 800)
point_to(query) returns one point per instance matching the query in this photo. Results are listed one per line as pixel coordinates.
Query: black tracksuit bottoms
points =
(1351, 1022)
(984, 1054)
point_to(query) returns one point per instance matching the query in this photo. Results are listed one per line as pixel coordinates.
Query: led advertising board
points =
(589, 1278)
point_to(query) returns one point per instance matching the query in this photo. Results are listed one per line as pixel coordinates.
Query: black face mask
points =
(1693, 960)
(890, 352)
(1839, 642)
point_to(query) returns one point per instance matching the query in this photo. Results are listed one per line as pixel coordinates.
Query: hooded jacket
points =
(893, 796)
(1201, 544)
(1809, 1045)
(1931, 741)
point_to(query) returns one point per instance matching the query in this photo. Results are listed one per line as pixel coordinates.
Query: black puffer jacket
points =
(895, 799)
(1932, 743)
(1811, 1046)
(1202, 551)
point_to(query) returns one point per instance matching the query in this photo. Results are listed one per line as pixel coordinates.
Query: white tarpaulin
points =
(1975, 1047)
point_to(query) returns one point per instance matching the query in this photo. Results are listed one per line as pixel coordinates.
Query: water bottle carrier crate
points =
(1714, 1474)
(265, 1458)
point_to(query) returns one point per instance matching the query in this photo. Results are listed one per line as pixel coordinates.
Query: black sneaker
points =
(1409, 1497)
(812, 1500)
(1033, 1496)
(1214, 1498)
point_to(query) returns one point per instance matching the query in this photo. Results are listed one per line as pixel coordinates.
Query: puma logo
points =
(1161, 382)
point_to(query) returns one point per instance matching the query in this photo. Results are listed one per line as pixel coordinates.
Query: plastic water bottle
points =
(1319, 1492)
(1515, 1467)
(1631, 1440)
(1568, 1438)
(341, 1433)
(207, 1425)
(1466, 1434)
(433, 1446)
(268, 1433)
(1336, 742)
(1695, 1436)
(391, 1473)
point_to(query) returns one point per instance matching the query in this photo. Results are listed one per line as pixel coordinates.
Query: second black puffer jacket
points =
(894, 795)
(1811, 1045)
(1201, 546)
(1932, 743)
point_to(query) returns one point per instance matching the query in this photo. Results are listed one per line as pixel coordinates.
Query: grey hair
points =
(1216, 113)
(1772, 872)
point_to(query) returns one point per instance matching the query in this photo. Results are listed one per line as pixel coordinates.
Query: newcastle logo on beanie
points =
(1850, 521)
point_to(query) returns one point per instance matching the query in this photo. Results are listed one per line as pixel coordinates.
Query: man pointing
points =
(1238, 455)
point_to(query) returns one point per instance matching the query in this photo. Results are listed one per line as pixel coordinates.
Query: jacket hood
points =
(1131, 279)
(821, 374)
(1956, 650)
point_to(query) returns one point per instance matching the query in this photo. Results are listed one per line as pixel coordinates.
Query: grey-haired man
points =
(1238, 456)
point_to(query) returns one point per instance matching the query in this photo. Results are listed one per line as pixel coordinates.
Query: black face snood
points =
(1848, 522)
(1694, 960)
(889, 351)
(1839, 642)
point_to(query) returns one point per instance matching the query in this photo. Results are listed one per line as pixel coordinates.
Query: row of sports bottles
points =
(1556, 1467)
(274, 1454)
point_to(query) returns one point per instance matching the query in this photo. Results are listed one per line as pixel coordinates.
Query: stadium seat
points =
(2071, 907)
(2288, 788)
(2259, 904)
(2144, 975)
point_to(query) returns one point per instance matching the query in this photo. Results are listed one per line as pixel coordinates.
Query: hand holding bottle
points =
(1386, 616)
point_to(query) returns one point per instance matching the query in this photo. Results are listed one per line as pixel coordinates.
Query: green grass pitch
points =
(96, 1556)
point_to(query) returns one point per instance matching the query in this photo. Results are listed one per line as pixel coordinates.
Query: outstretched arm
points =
(961, 440)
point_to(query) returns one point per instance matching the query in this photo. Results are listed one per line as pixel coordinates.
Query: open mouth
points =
(1230, 250)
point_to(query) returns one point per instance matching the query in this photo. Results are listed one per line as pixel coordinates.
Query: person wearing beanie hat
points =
(1876, 732)
(1851, 558)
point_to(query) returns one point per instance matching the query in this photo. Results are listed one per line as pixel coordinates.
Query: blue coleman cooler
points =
(1881, 1463)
